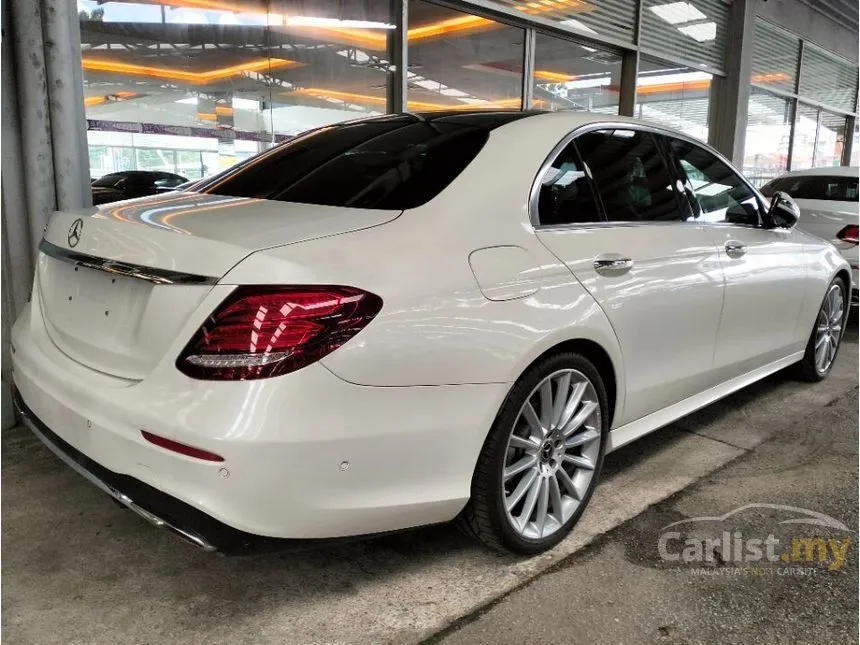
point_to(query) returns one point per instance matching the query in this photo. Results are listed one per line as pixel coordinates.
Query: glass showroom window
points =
(827, 79)
(570, 76)
(461, 61)
(776, 56)
(193, 87)
(614, 18)
(691, 30)
(831, 140)
(767, 136)
(805, 133)
(674, 96)
(330, 62)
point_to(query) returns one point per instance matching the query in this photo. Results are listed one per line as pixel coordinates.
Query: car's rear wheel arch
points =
(845, 276)
(598, 357)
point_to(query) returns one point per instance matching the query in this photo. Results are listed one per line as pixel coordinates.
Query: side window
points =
(565, 192)
(631, 176)
(717, 192)
(816, 187)
(848, 189)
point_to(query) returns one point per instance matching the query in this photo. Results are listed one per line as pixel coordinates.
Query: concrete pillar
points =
(848, 147)
(627, 89)
(44, 158)
(31, 90)
(730, 94)
(62, 36)
(396, 99)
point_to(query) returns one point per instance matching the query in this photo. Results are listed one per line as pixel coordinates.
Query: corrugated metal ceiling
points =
(844, 12)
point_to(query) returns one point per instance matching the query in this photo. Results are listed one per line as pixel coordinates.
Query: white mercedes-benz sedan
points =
(408, 319)
(828, 200)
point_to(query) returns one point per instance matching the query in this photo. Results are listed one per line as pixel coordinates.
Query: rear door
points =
(764, 267)
(609, 209)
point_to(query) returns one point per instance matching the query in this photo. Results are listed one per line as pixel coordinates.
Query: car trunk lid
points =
(118, 283)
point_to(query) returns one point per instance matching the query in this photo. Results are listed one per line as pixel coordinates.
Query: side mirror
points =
(783, 212)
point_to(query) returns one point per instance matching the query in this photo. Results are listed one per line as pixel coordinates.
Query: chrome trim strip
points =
(119, 496)
(534, 193)
(158, 276)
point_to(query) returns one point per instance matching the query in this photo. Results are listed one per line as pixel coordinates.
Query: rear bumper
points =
(307, 456)
(163, 511)
(159, 509)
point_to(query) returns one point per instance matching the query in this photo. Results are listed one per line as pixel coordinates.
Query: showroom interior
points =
(193, 87)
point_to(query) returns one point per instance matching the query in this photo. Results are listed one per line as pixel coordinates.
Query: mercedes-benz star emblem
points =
(75, 232)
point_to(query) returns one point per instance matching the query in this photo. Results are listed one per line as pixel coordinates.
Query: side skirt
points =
(623, 435)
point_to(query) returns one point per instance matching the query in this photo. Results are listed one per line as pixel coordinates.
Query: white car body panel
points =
(676, 268)
(824, 218)
(160, 226)
(384, 432)
(767, 273)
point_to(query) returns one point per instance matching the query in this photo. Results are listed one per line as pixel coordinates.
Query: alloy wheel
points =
(551, 454)
(828, 330)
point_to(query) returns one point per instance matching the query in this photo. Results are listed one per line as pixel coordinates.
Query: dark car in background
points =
(127, 184)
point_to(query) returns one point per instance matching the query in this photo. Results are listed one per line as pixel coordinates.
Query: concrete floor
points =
(78, 570)
(621, 591)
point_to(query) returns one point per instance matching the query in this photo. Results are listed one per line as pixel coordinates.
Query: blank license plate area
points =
(92, 305)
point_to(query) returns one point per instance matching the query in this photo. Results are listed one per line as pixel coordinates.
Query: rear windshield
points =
(843, 189)
(393, 163)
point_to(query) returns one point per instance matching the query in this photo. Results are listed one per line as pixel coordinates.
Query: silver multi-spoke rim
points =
(551, 454)
(828, 329)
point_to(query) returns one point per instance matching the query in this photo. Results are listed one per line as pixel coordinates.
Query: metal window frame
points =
(514, 18)
(398, 55)
(528, 68)
(532, 26)
(534, 191)
(799, 69)
(848, 145)
(797, 100)
(792, 110)
(630, 52)
(796, 94)
(797, 105)
(803, 99)
(817, 135)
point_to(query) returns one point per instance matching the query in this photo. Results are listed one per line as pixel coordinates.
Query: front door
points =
(609, 209)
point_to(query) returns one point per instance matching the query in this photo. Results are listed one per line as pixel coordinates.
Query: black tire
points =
(806, 369)
(484, 517)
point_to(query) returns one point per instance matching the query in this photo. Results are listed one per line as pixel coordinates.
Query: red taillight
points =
(181, 448)
(260, 332)
(849, 234)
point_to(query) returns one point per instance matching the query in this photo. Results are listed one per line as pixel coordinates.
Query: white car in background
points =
(405, 319)
(828, 201)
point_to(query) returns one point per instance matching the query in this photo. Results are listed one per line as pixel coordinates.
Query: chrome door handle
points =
(612, 264)
(735, 249)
